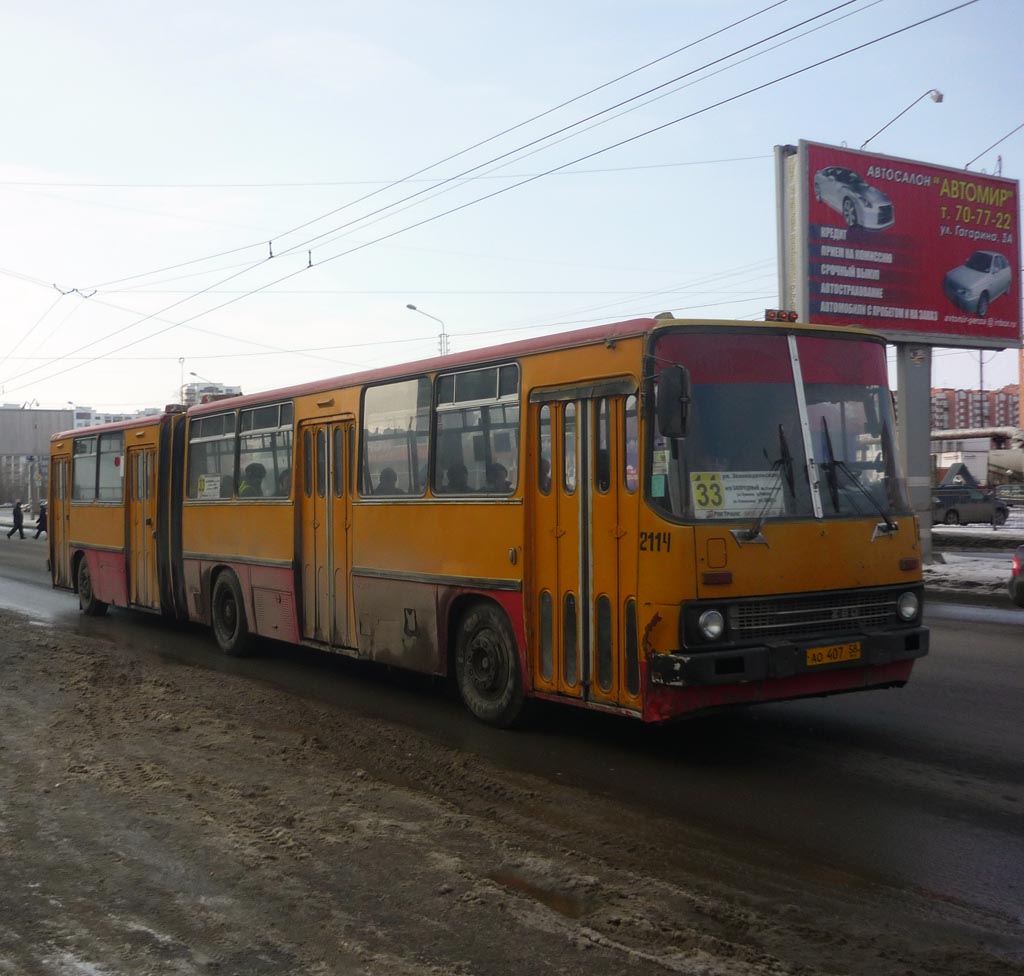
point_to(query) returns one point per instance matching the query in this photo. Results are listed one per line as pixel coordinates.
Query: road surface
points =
(166, 810)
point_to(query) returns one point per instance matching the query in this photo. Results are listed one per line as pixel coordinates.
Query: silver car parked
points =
(978, 282)
(861, 204)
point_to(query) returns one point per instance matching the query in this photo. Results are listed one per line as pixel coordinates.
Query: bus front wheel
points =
(91, 607)
(228, 612)
(487, 666)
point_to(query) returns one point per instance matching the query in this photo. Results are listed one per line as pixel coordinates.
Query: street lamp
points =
(934, 93)
(203, 378)
(442, 340)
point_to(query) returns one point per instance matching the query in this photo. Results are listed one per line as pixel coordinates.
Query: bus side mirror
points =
(673, 401)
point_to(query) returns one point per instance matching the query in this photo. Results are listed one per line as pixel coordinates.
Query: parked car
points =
(978, 282)
(1015, 585)
(861, 204)
(962, 506)
(1011, 494)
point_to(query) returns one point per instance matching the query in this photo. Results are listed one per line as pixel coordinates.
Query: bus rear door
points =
(325, 515)
(142, 584)
(59, 518)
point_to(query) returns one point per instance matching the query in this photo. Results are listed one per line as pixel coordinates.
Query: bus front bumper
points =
(764, 662)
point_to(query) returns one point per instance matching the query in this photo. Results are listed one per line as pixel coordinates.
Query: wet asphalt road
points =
(922, 787)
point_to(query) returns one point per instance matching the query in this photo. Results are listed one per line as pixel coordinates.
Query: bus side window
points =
(211, 457)
(477, 439)
(396, 434)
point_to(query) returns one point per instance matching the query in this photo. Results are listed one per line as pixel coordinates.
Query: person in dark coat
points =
(41, 521)
(19, 520)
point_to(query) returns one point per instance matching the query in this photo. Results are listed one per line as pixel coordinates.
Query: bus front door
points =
(325, 517)
(583, 642)
(142, 585)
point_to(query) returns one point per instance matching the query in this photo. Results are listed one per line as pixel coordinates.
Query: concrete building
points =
(25, 450)
(193, 393)
(25, 434)
(963, 409)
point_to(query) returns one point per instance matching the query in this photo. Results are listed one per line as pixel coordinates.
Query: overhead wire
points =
(721, 102)
(391, 207)
(476, 145)
(522, 182)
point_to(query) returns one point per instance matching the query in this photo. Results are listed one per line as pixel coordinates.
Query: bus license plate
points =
(833, 654)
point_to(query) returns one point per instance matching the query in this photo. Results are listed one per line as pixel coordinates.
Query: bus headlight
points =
(712, 624)
(908, 606)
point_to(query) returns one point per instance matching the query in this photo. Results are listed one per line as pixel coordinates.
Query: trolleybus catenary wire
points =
(549, 141)
(513, 155)
(468, 149)
(263, 262)
(732, 98)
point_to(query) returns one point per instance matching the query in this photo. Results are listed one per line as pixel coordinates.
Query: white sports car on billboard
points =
(861, 204)
(978, 282)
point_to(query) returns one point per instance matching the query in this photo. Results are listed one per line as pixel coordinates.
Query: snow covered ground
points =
(974, 559)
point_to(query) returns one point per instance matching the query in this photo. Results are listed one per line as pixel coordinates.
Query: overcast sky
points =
(154, 154)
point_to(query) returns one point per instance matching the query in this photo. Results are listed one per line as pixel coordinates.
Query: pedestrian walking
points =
(19, 520)
(41, 521)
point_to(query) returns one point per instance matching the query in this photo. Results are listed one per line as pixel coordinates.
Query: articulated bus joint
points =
(784, 660)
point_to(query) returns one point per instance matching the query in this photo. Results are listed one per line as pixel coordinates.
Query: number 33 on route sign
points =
(708, 493)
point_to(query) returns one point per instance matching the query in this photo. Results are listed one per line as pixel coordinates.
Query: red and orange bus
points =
(654, 517)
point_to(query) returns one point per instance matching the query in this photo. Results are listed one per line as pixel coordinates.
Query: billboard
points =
(919, 253)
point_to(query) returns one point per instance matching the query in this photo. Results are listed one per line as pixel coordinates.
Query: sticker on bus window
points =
(657, 486)
(659, 462)
(736, 494)
(209, 486)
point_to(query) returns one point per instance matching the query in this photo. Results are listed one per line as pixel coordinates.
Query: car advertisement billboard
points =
(914, 251)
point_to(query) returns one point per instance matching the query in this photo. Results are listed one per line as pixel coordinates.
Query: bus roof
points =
(510, 350)
(147, 421)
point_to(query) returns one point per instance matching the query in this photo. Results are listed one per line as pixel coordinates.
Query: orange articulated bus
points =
(655, 517)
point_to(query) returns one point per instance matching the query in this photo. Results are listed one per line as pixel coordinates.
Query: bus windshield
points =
(745, 453)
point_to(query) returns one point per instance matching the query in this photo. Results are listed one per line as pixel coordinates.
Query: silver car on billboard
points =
(860, 203)
(978, 282)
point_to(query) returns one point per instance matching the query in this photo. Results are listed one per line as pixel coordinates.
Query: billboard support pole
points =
(913, 432)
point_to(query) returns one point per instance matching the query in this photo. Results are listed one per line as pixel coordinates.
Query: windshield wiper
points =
(890, 525)
(830, 466)
(785, 461)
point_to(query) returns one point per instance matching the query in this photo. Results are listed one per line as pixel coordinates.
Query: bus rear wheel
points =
(91, 607)
(487, 666)
(228, 612)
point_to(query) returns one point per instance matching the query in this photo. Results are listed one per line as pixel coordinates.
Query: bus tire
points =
(487, 666)
(91, 607)
(227, 610)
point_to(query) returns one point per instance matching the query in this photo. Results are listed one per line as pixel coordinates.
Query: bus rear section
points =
(112, 515)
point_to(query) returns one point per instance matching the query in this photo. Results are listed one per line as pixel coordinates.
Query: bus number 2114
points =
(655, 541)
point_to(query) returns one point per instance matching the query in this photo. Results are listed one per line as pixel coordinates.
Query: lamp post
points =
(442, 340)
(203, 378)
(934, 93)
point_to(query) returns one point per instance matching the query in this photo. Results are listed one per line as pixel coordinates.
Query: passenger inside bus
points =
(545, 475)
(284, 483)
(388, 483)
(458, 479)
(496, 478)
(251, 486)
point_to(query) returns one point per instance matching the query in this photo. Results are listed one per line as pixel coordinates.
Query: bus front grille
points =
(795, 617)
